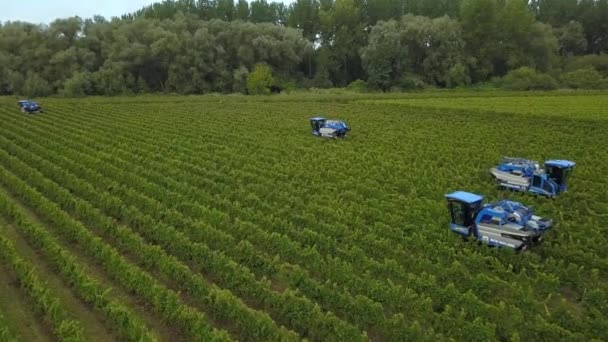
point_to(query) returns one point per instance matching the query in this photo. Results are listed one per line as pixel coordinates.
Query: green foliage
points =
(260, 80)
(410, 82)
(289, 86)
(527, 79)
(588, 78)
(203, 46)
(399, 48)
(35, 86)
(598, 62)
(502, 36)
(80, 84)
(65, 327)
(340, 24)
(458, 76)
(5, 333)
(358, 86)
(14, 82)
(109, 80)
(571, 38)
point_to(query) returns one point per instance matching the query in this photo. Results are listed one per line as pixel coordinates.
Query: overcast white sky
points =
(45, 11)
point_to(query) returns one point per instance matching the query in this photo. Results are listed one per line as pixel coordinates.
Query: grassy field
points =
(223, 218)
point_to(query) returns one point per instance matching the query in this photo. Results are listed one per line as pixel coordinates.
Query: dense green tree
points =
(434, 46)
(428, 48)
(242, 10)
(526, 78)
(342, 34)
(592, 15)
(383, 57)
(571, 39)
(524, 41)
(260, 80)
(226, 10)
(304, 14)
(502, 36)
(261, 12)
(194, 46)
(35, 86)
(587, 78)
(80, 84)
(481, 30)
(383, 10)
(555, 12)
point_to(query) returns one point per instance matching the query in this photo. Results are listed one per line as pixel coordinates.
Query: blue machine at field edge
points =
(328, 128)
(504, 224)
(526, 175)
(28, 106)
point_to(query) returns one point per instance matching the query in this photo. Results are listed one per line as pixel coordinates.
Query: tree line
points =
(201, 46)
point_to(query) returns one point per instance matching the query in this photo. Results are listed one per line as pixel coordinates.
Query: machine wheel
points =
(527, 245)
(537, 241)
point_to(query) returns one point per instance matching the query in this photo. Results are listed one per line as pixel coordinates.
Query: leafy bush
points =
(110, 81)
(322, 79)
(15, 81)
(260, 80)
(358, 86)
(526, 78)
(598, 62)
(458, 75)
(411, 82)
(587, 78)
(289, 86)
(80, 84)
(36, 86)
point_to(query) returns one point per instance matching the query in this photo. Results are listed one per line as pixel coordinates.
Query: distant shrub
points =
(80, 84)
(458, 75)
(321, 79)
(260, 80)
(35, 86)
(289, 86)
(358, 86)
(411, 82)
(587, 78)
(527, 79)
(598, 62)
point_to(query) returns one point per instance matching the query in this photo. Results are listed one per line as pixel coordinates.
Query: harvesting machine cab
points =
(526, 175)
(328, 128)
(503, 224)
(29, 107)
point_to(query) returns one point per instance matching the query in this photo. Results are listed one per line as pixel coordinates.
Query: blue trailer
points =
(503, 224)
(520, 174)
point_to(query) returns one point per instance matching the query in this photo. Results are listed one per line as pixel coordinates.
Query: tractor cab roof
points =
(27, 103)
(464, 196)
(317, 118)
(560, 163)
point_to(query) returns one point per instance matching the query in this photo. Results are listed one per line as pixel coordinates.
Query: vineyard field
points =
(221, 218)
(577, 107)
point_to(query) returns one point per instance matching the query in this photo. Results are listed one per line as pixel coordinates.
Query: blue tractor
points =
(328, 128)
(29, 107)
(526, 175)
(502, 224)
